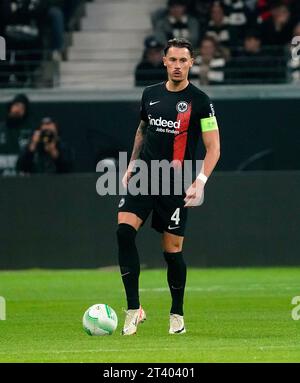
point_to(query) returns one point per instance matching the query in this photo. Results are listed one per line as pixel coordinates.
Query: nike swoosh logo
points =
(172, 228)
(179, 331)
(122, 275)
(177, 288)
(153, 102)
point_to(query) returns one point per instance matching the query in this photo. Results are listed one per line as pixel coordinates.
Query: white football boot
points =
(176, 324)
(132, 320)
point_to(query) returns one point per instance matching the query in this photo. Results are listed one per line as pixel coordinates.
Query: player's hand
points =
(34, 140)
(51, 148)
(194, 194)
(128, 174)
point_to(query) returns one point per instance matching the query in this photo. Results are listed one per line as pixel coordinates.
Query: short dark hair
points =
(171, 3)
(179, 43)
(211, 39)
(279, 4)
(253, 33)
(49, 120)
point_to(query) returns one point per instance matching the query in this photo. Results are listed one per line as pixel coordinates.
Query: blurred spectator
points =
(294, 62)
(251, 4)
(278, 29)
(151, 69)
(237, 12)
(160, 13)
(21, 18)
(22, 22)
(54, 14)
(253, 65)
(263, 10)
(209, 66)
(46, 152)
(59, 13)
(22, 31)
(70, 8)
(14, 133)
(32, 28)
(264, 7)
(201, 10)
(219, 26)
(177, 23)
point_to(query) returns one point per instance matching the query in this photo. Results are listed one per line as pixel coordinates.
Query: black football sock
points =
(129, 264)
(176, 280)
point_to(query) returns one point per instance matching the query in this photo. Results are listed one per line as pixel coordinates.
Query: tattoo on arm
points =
(139, 140)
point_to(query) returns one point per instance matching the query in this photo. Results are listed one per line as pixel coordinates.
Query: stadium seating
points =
(36, 40)
(104, 42)
(104, 53)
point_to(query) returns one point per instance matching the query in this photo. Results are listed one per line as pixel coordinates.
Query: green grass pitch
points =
(232, 315)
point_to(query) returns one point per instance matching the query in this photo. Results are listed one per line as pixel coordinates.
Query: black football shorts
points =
(168, 212)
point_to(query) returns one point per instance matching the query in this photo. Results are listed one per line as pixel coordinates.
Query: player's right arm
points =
(137, 147)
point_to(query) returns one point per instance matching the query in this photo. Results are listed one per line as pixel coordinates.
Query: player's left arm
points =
(211, 140)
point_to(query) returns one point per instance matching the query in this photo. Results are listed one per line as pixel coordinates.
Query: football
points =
(100, 319)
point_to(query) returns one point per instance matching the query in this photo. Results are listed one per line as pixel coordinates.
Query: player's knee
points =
(173, 246)
(126, 235)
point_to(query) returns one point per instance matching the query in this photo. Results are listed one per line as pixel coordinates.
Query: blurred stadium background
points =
(83, 64)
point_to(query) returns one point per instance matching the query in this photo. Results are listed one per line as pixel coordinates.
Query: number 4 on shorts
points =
(175, 217)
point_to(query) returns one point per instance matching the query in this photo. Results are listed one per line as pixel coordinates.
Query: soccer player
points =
(174, 115)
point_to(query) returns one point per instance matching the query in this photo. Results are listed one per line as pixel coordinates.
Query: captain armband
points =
(208, 124)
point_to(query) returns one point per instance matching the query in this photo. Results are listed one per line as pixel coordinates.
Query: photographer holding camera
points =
(46, 153)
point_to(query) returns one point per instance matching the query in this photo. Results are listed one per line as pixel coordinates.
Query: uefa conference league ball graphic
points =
(99, 320)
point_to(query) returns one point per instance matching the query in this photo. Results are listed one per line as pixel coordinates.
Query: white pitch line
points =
(224, 288)
(249, 347)
(82, 351)
(164, 289)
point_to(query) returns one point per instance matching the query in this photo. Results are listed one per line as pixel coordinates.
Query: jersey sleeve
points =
(208, 120)
(143, 112)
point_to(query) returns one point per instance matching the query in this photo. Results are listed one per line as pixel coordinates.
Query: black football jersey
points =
(175, 121)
